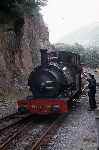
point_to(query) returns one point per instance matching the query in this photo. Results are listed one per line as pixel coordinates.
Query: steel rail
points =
(39, 141)
(15, 122)
(54, 124)
(37, 144)
(10, 115)
(4, 145)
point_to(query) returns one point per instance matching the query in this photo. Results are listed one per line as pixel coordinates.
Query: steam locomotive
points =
(54, 84)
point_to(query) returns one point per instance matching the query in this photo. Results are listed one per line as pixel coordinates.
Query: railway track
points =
(21, 123)
(43, 140)
(19, 128)
(13, 131)
(9, 116)
(11, 120)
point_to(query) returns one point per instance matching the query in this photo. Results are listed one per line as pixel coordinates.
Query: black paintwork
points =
(56, 76)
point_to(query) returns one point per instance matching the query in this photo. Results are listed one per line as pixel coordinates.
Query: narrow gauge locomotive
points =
(53, 84)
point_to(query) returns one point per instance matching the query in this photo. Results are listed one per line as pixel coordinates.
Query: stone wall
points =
(19, 54)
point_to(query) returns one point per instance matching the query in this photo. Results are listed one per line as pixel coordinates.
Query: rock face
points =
(19, 53)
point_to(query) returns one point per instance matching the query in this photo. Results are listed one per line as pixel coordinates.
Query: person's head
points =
(91, 76)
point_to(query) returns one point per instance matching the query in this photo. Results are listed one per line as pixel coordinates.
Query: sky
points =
(65, 16)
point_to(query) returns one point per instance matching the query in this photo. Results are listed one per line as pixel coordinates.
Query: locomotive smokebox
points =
(44, 57)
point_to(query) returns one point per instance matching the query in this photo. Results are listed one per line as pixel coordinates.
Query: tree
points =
(88, 56)
(78, 48)
(14, 10)
(20, 7)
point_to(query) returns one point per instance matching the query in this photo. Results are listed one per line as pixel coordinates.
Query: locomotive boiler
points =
(54, 83)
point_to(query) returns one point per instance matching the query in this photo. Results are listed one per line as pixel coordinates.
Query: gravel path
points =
(78, 131)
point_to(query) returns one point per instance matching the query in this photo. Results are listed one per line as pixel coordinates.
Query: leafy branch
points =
(21, 7)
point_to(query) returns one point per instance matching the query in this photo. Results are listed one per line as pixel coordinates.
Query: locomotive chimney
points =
(44, 57)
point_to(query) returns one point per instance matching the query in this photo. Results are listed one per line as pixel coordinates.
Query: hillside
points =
(22, 34)
(87, 36)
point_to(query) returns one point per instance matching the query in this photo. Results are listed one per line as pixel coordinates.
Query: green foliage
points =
(12, 12)
(21, 7)
(89, 56)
